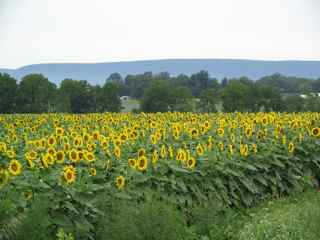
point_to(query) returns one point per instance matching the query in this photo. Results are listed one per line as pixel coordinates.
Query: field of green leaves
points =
(146, 176)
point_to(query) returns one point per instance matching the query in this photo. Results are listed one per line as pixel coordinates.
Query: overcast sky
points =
(42, 31)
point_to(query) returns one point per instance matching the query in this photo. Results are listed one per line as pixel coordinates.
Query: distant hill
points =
(96, 73)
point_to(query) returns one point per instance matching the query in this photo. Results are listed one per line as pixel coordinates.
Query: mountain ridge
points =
(96, 73)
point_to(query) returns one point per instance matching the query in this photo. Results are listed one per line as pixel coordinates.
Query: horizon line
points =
(164, 59)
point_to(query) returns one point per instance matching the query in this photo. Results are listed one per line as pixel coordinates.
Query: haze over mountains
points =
(96, 73)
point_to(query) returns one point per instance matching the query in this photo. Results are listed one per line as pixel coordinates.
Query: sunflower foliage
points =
(149, 220)
(11, 217)
(77, 172)
(10, 220)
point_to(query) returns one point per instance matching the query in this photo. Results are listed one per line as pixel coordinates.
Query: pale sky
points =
(46, 31)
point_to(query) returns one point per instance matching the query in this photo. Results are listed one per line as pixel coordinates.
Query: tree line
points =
(159, 93)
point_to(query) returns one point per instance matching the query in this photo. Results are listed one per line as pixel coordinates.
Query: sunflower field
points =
(79, 165)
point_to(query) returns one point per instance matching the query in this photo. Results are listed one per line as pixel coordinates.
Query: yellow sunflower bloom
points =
(15, 167)
(120, 182)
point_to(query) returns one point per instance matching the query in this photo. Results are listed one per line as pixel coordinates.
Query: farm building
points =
(124, 98)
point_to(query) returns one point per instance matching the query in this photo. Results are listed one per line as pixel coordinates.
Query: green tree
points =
(316, 85)
(235, 97)
(294, 103)
(36, 94)
(157, 97)
(182, 99)
(164, 96)
(115, 77)
(198, 82)
(208, 100)
(8, 93)
(224, 82)
(79, 94)
(108, 98)
(312, 102)
(267, 98)
(181, 80)
(136, 84)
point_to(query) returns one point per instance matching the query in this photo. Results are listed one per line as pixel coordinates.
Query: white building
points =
(124, 98)
(312, 94)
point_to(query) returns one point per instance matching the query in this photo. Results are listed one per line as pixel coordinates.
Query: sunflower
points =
(207, 124)
(133, 135)
(191, 163)
(142, 163)
(91, 147)
(315, 132)
(86, 137)
(163, 151)
(89, 156)
(183, 155)
(248, 132)
(60, 157)
(291, 147)
(15, 167)
(51, 141)
(93, 172)
(264, 120)
(132, 162)
(284, 140)
(176, 134)
(171, 152)
(141, 152)
(66, 147)
(51, 151)
(11, 153)
(155, 156)
(30, 163)
(199, 150)
(28, 194)
(254, 148)
(120, 182)
(117, 152)
(231, 148)
(69, 174)
(32, 155)
(80, 154)
(194, 132)
(96, 135)
(244, 151)
(38, 144)
(220, 132)
(104, 143)
(47, 160)
(153, 139)
(74, 156)
(77, 142)
(3, 147)
(210, 143)
(4, 176)
(123, 137)
(232, 137)
(59, 131)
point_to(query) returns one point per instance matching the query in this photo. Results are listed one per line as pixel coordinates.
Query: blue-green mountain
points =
(96, 73)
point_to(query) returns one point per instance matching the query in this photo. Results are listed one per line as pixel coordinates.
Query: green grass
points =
(296, 217)
(292, 218)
